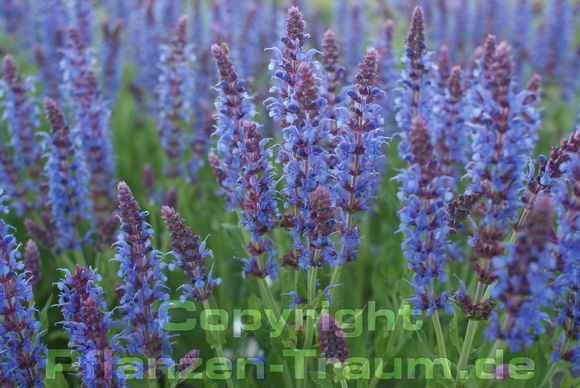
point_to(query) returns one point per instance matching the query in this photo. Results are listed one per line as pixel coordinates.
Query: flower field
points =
(307, 194)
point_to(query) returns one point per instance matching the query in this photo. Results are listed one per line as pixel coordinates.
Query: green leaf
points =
(207, 382)
(241, 344)
(255, 303)
(453, 333)
(59, 380)
(326, 383)
(568, 380)
(43, 315)
(423, 347)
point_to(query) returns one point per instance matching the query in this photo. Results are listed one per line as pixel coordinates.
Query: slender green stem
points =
(269, 297)
(469, 335)
(218, 346)
(554, 366)
(388, 349)
(471, 328)
(334, 279)
(441, 342)
(309, 329)
(483, 292)
(550, 373)
(79, 257)
(343, 383)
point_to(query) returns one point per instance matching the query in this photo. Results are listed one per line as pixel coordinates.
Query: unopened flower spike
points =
(331, 340)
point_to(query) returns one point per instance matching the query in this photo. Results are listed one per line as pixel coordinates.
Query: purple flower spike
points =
(32, 263)
(450, 134)
(23, 356)
(144, 283)
(43, 234)
(358, 152)
(566, 285)
(331, 340)
(418, 92)
(524, 274)
(188, 362)
(333, 72)
(190, 255)
(504, 128)
(424, 218)
(416, 45)
(67, 180)
(92, 124)
(176, 84)
(243, 171)
(295, 26)
(235, 106)
(47, 53)
(112, 66)
(87, 323)
(22, 153)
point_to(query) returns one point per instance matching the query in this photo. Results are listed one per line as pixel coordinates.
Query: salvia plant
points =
(289, 194)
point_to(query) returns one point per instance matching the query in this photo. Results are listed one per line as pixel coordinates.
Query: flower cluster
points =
(21, 155)
(424, 217)
(143, 282)
(22, 356)
(504, 124)
(190, 255)
(87, 324)
(331, 340)
(66, 171)
(523, 276)
(305, 131)
(176, 82)
(234, 106)
(359, 149)
(567, 285)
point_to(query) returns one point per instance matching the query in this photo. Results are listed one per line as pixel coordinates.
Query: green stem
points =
(388, 349)
(554, 366)
(79, 258)
(441, 342)
(269, 297)
(471, 328)
(309, 329)
(550, 373)
(334, 279)
(343, 383)
(218, 346)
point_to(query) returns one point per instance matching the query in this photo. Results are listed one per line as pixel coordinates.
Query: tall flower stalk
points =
(66, 171)
(145, 295)
(22, 356)
(22, 153)
(176, 84)
(504, 125)
(87, 323)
